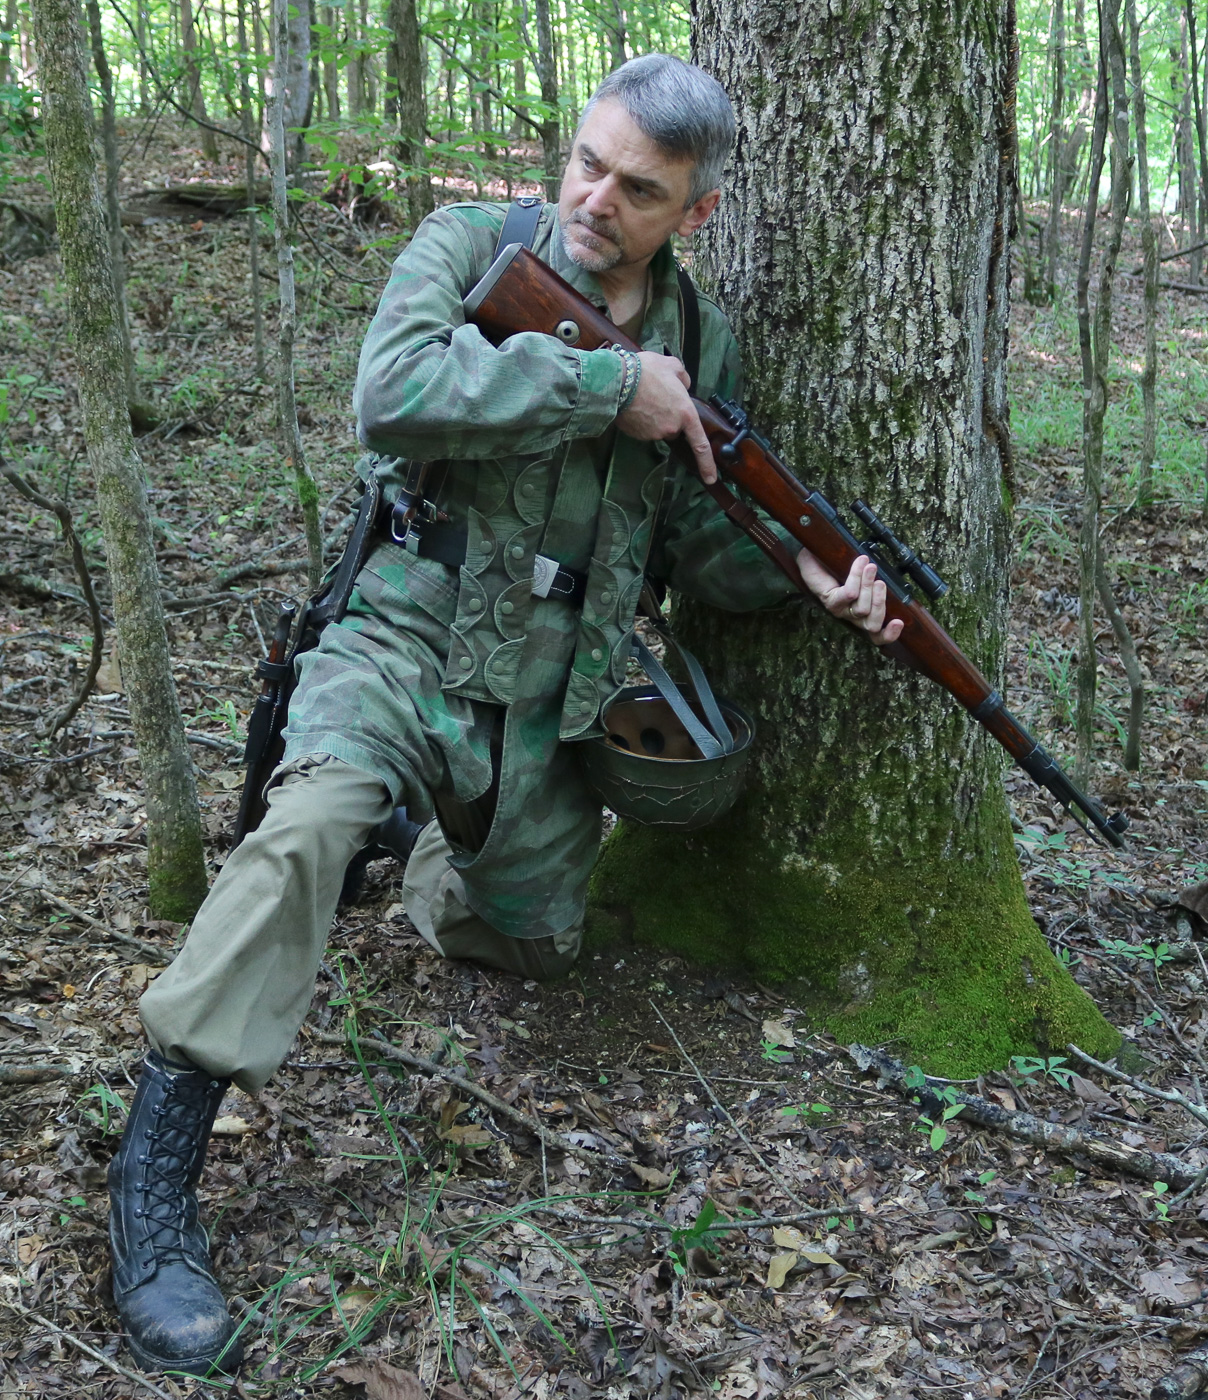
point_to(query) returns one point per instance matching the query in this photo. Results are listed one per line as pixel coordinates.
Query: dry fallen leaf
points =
(29, 1248)
(230, 1126)
(383, 1382)
(779, 1034)
(651, 1176)
(778, 1268)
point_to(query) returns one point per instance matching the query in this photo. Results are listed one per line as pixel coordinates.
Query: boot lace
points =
(169, 1208)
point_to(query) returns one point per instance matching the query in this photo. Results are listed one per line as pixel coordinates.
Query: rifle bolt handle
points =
(567, 331)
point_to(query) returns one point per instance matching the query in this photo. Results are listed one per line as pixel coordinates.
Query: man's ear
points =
(699, 212)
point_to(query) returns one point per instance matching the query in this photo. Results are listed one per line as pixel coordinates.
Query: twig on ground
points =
(763, 1222)
(1025, 1127)
(497, 1105)
(159, 955)
(1197, 1111)
(1167, 1020)
(80, 1345)
(61, 512)
(34, 1074)
(729, 1117)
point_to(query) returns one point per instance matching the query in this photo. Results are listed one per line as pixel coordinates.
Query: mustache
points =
(605, 227)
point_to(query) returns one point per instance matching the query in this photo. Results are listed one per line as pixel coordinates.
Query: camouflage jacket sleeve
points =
(431, 386)
(698, 551)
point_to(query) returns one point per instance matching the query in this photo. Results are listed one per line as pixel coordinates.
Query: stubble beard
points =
(586, 258)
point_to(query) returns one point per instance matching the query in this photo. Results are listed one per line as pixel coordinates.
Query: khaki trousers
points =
(233, 1000)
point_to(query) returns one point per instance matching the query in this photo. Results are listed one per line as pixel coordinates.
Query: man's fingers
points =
(700, 447)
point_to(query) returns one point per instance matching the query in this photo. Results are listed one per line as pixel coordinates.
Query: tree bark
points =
(287, 407)
(1094, 339)
(1149, 249)
(175, 863)
(194, 99)
(547, 77)
(113, 203)
(861, 255)
(412, 110)
(248, 121)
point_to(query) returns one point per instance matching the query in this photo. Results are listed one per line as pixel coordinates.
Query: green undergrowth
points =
(1046, 405)
(940, 957)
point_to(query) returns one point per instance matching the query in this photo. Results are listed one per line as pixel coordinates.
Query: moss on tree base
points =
(941, 957)
(176, 887)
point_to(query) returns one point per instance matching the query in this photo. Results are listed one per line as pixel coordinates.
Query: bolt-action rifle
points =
(520, 293)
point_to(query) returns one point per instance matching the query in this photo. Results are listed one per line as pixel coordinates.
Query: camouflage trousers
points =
(507, 866)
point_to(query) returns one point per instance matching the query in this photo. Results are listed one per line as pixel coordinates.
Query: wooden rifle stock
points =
(263, 749)
(520, 293)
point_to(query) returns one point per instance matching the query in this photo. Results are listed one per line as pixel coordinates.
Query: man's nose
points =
(603, 197)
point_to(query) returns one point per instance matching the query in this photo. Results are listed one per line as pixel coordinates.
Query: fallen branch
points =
(34, 1074)
(157, 955)
(1188, 1378)
(1025, 1127)
(1197, 1111)
(497, 1105)
(80, 1345)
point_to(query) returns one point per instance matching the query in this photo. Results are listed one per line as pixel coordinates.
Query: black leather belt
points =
(446, 543)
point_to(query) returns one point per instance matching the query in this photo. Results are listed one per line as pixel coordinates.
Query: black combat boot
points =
(173, 1311)
(396, 837)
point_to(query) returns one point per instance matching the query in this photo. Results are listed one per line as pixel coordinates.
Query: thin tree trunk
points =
(1056, 148)
(291, 433)
(1201, 137)
(1111, 109)
(194, 98)
(1132, 669)
(331, 73)
(547, 76)
(6, 48)
(356, 68)
(253, 214)
(175, 862)
(1149, 247)
(1180, 82)
(113, 203)
(412, 110)
(867, 280)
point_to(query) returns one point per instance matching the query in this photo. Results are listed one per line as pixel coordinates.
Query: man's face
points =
(622, 197)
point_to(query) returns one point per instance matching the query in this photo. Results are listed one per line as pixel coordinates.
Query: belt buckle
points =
(408, 516)
(545, 571)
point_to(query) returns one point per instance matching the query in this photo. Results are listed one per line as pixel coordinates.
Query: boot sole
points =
(201, 1366)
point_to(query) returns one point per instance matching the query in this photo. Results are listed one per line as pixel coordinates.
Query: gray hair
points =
(683, 110)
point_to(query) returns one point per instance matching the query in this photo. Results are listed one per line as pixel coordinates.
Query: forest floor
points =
(374, 1223)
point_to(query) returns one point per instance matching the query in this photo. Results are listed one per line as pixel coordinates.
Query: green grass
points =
(1046, 406)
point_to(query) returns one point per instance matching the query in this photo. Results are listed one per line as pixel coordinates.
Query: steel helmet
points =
(665, 760)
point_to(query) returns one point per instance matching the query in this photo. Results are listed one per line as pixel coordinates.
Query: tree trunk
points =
(1180, 84)
(175, 863)
(287, 407)
(412, 110)
(547, 76)
(861, 256)
(247, 121)
(331, 73)
(1111, 113)
(194, 99)
(113, 203)
(1056, 147)
(1149, 249)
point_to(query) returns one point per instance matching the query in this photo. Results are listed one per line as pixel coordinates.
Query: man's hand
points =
(860, 601)
(661, 410)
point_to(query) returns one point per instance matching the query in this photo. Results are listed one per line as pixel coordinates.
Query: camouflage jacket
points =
(524, 453)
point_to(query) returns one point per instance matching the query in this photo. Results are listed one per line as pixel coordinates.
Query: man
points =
(449, 686)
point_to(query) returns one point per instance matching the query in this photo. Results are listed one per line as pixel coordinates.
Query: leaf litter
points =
(385, 1233)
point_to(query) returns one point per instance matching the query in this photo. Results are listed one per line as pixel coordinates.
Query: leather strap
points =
(520, 224)
(709, 745)
(690, 340)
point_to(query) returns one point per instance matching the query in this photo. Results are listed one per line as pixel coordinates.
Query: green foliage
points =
(701, 1234)
(1038, 1067)
(934, 1129)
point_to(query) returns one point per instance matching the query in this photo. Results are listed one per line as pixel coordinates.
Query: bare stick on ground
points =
(1025, 1127)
